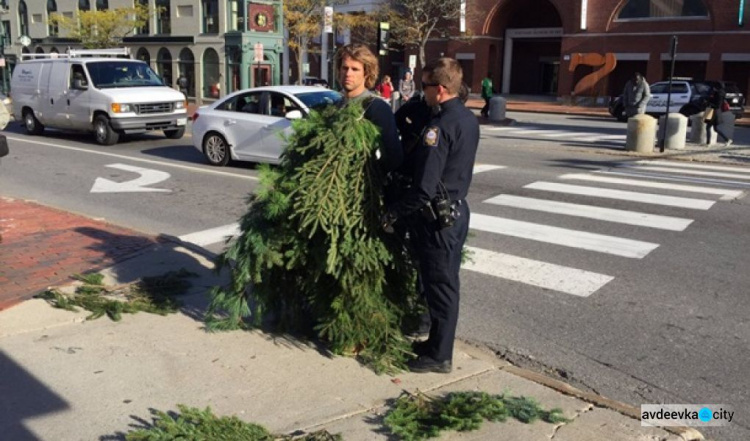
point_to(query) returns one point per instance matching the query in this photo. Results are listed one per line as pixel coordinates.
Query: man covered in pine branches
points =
(435, 204)
(358, 71)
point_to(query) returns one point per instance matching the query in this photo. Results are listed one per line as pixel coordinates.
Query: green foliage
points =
(312, 256)
(202, 425)
(419, 416)
(102, 28)
(149, 294)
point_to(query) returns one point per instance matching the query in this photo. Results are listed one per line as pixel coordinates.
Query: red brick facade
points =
(710, 47)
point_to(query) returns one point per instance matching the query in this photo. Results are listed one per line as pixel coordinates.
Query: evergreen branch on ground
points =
(311, 257)
(202, 425)
(419, 416)
(155, 295)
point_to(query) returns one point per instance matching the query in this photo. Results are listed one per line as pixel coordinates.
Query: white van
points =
(84, 90)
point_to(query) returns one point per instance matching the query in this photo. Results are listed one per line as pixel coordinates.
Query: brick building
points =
(528, 45)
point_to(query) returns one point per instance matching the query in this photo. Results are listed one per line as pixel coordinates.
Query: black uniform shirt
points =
(446, 153)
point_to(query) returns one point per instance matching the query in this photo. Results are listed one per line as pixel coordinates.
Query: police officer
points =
(358, 70)
(442, 166)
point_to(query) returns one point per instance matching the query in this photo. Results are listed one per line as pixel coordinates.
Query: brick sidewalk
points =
(43, 247)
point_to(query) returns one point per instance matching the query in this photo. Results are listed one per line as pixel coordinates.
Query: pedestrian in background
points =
(716, 104)
(182, 85)
(385, 88)
(435, 204)
(357, 68)
(636, 95)
(486, 94)
(406, 87)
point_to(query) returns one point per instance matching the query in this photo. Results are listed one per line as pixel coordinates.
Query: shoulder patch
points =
(431, 136)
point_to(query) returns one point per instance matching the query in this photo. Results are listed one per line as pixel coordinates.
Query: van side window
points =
(76, 73)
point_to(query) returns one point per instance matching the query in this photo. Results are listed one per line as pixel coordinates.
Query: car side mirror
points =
(293, 114)
(80, 84)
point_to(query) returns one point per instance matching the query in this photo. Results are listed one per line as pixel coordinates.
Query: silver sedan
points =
(247, 125)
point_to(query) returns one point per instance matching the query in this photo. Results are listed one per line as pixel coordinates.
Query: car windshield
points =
(316, 100)
(116, 73)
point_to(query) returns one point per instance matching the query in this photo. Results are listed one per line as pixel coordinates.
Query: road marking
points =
(533, 272)
(129, 158)
(688, 172)
(480, 168)
(646, 198)
(663, 177)
(140, 184)
(725, 193)
(212, 235)
(562, 236)
(593, 212)
(699, 166)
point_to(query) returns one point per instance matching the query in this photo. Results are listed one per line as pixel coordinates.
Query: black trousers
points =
(486, 109)
(439, 255)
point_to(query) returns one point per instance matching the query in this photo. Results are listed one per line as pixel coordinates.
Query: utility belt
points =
(441, 210)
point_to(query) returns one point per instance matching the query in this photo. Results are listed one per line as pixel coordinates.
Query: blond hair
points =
(363, 54)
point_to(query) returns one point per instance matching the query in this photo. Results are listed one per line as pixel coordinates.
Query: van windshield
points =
(116, 73)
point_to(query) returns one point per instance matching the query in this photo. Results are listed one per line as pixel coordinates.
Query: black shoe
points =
(420, 348)
(425, 364)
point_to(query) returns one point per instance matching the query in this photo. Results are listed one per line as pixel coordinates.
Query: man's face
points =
(352, 76)
(430, 91)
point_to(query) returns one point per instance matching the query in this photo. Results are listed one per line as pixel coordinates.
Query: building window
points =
(143, 55)
(84, 5)
(211, 74)
(164, 66)
(102, 5)
(52, 27)
(186, 68)
(6, 33)
(163, 17)
(210, 16)
(236, 19)
(663, 9)
(234, 68)
(23, 18)
(146, 28)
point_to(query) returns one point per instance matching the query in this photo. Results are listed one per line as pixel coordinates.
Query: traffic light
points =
(383, 28)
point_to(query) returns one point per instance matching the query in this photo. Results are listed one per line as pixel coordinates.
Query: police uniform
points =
(442, 163)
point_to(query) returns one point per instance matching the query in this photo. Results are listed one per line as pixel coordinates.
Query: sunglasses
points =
(425, 84)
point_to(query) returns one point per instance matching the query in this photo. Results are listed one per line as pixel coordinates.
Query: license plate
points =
(181, 121)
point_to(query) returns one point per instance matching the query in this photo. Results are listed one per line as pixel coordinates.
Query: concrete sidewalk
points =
(65, 378)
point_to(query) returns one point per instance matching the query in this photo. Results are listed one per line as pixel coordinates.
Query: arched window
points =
(143, 55)
(210, 16)
(23, 18)
(186, 69)
(661, 9)
(39, 50)
(164, 66)
(163, 21)
(102, 5)
(52, 27)
(54, 50)
(211, 74)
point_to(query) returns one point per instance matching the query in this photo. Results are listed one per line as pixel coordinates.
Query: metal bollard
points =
(676, 131)
(641, 134)
(497, 108)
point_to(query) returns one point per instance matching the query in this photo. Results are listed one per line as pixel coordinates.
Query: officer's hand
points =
(387, 221)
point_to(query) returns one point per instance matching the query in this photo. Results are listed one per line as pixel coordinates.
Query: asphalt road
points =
(650, 311)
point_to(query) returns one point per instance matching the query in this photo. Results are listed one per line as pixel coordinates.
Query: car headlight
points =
(179, 105)
(121, 108)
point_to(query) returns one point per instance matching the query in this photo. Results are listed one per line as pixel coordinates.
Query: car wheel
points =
(33, 126)
(175, 134)
(216, 149)
(103, 131)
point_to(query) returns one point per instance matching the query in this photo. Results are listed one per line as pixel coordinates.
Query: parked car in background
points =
(688, 97)
(314, 81)
(247, 125)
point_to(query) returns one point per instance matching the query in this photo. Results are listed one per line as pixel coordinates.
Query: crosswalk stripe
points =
(701, 166)
(212, 235)
(593, 212)
(725, 193)
(533, 272)
(688, 172)
(559, 133)
(646, 198)
(479, 168)
(562, 236)
(641, 173)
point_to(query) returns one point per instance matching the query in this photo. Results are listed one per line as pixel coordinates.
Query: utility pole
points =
(3, 61)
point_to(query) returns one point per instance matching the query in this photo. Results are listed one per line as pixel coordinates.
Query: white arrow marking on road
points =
(148, 177)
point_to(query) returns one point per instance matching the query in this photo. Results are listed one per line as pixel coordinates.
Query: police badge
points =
(431, 137)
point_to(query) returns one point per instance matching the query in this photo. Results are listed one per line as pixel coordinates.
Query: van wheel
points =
(175, 134)
(33, 126)
(104, 133)
(216, 149)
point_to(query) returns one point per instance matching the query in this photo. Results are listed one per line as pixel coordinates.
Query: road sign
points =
(412, 62)
(258, 52)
